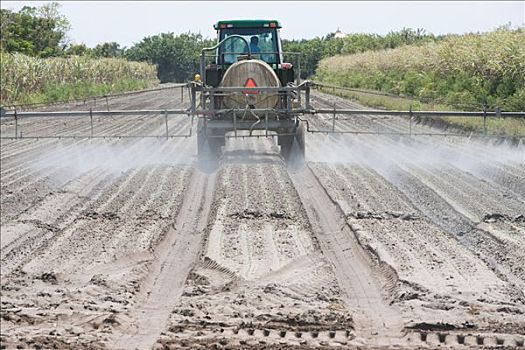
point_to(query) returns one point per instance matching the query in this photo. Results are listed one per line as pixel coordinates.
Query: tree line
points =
(42, 32)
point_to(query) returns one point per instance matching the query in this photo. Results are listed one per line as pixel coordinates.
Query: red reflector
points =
(223, 26)
(286, 66)
(273, 25)
(250, 83)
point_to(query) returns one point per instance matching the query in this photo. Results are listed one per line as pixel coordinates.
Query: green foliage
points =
(107, 50)
(73, 91)
(77, 50)
(176, 56)
(35, 31)
(311, 52)
(314, 50)
(466, 71)
(23, 76)
(41, 31)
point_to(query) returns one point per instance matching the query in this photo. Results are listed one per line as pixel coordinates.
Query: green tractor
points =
(245, 84)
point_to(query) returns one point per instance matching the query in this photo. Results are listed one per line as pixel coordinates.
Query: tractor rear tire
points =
(208, 148)
(293, 146)
(300, 137)
(286, 143)
(202, 143)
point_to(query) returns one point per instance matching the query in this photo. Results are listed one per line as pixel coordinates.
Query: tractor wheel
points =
(202, 143)
(208, 148)
(301, 142)
(286, 143)
(293, 147)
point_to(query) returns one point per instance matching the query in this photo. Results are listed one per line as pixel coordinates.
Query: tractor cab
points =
(261, 40)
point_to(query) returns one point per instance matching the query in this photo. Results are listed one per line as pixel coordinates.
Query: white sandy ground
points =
(378, 242)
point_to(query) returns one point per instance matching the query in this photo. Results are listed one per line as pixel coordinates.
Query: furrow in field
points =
(450, 203)
(260, 266)
(443, 210)
(175, 253)
(75, 258)
(493, 210)
(437, 273)
(101, 257)
(117, 204)
(38, 226)
(507, 262)
(48, 174)
(471, 208)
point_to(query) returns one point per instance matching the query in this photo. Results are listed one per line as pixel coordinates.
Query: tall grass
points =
(468, 71)
(26, 79)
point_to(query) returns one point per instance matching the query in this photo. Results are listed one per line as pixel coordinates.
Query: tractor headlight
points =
(198, 78)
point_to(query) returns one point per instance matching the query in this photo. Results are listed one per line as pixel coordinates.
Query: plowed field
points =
(378, 241)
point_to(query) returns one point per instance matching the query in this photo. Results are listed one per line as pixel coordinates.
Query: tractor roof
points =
(247, 23)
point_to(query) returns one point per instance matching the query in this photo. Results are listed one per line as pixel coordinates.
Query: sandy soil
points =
(377, 242)
(260, 269)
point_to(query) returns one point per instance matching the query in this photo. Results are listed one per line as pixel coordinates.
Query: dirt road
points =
(377, 242)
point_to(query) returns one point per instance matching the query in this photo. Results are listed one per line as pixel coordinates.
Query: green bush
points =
(469, 71)
(30, 79)
(176, 56)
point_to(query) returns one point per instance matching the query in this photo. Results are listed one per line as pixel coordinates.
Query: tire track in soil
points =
(362, 279)
(174, 258)
(461, 216)
(441, 207)
(440, 280)
(261, 277)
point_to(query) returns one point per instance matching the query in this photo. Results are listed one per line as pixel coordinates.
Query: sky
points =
(94, 22)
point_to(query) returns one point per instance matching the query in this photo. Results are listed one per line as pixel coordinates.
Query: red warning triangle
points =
(250, 83)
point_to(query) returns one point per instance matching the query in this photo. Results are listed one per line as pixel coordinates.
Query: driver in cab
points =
(254, 45)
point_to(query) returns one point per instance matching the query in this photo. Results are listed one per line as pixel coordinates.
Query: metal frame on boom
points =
(194, 111)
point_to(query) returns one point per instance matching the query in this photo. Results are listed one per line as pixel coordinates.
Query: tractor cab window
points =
(262, 41)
